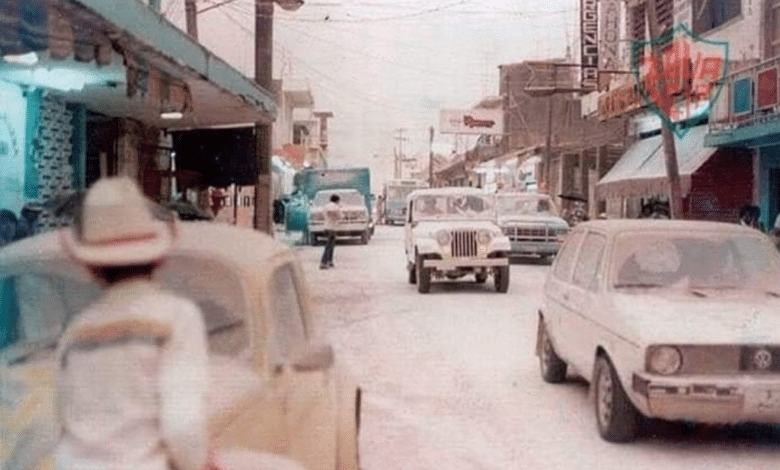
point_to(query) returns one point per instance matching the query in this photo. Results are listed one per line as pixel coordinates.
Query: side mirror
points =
(313, 357)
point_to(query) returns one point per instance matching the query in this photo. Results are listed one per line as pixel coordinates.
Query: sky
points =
(386, 68)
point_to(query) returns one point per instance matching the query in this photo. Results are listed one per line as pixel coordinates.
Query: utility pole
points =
(399, 156)
(264, 12)
(191, 14)
(430, 158)
(670, 153)
(547, 166)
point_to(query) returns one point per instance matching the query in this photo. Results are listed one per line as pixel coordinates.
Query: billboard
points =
(472, 121)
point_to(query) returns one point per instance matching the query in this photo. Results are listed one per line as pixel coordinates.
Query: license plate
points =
(763, 400)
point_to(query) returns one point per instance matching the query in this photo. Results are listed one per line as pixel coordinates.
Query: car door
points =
(408, 231)
(305, 372)
(580, 318)
(557, 297)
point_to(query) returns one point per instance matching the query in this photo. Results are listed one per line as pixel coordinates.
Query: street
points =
(450, 378)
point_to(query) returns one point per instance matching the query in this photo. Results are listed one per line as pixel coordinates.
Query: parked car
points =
(676, 320)
(355, 221)
(532, 223)
(451, 233)
(274, 386)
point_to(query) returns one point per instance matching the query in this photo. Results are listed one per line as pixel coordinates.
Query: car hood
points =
(344, 207)
(434, 226)
(531, 219)
(745, 317)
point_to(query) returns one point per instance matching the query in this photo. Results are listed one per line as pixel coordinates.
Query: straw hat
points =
(115, 227)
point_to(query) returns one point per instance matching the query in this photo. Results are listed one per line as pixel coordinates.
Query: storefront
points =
(89, 88)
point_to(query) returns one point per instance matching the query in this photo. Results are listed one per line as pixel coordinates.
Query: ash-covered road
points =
(451, 381)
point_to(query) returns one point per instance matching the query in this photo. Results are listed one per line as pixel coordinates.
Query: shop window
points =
(709, 14)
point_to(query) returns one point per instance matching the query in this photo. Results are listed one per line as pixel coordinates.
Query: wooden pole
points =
(670, 153)
(264, 11)
(191, 15)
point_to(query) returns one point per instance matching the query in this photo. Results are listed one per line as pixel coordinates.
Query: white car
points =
(355, 220)
(676, 320)
(532, 223)
(274, 386)
(451, 233)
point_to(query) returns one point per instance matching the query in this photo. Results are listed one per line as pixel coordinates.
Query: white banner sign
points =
(472, 121)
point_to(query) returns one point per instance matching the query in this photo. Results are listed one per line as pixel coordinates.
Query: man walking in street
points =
(132, 369)
(332, 218)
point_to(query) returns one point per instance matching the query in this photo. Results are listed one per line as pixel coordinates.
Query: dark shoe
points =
(324, 266)
(331, 265)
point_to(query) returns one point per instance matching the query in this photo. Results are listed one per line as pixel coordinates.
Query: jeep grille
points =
(519, 233)
(464, 243)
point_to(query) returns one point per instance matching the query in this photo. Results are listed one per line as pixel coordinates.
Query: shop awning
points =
(641, 171)
(123, 59)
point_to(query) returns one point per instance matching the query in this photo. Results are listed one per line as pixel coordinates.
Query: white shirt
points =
(332, 215)
(132, 382)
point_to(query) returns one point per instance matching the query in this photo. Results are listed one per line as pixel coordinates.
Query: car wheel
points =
(364, 237)
(501, 279)
(481, 278)
(616, 417)
(423, 277)
(413, 274)
(553, 368)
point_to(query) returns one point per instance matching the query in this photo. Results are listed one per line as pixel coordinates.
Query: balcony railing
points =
(749, 96)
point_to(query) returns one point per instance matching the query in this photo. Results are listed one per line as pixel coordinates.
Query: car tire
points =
(364, 237)
(423, 277)
(412, 274)
(480, 278)
(616, 417)
(552, 367)
(501, 279)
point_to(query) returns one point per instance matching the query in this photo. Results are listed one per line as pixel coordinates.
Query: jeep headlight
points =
(664, 360)
(443, 237)
(484, 237)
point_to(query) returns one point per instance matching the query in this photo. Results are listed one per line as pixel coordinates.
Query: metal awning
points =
(128, 61)
(641, 171)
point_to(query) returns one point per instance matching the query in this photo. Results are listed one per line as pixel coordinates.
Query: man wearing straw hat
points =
(132, 368)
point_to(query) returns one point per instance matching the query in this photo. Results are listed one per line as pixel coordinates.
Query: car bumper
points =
(714, 400)
(454, 263)
(534, 248)
(343, 229)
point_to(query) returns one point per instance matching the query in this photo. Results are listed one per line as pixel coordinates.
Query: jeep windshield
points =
(525, 204)
(453, 207)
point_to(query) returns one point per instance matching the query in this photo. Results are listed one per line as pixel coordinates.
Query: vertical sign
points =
(589, 34)
(609, 50)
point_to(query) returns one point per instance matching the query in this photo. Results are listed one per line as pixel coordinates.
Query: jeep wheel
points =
(616, 417)
(501, 279)
(551, 365)
(412, 274)
(423, 277)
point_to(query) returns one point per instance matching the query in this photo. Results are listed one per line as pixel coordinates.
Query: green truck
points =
(313, 188)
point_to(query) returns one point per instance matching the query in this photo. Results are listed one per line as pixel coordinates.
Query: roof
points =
(641, 171)
(627, 225)
(162, 59)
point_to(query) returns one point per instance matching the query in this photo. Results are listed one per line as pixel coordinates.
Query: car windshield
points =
(704, 260)
(525, 205)
(453, 207)
(36, 307)
(352, 198)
